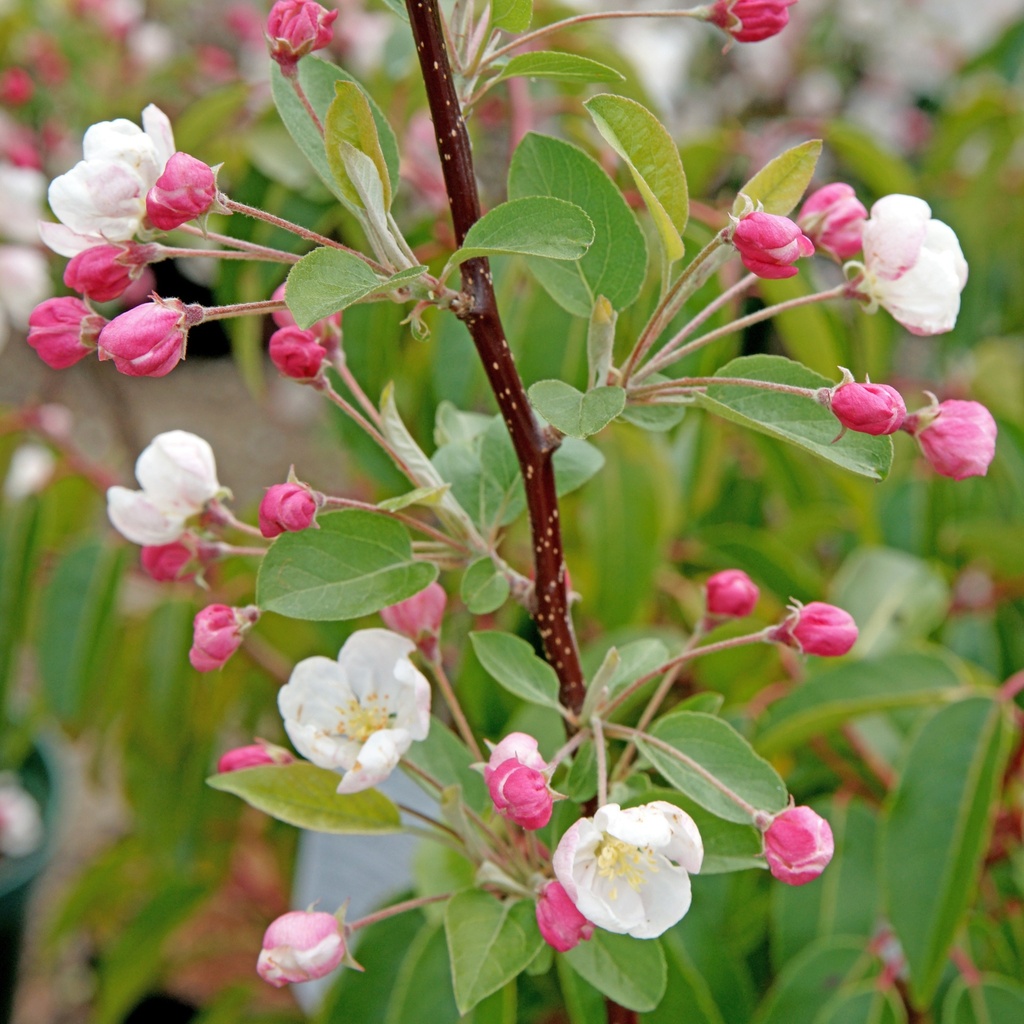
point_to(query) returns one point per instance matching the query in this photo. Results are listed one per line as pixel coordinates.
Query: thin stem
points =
(461, 723)
(267, 256)
(411, 521)
(242, 309)
(220, 513)
(579, 19)
(291, 72)
(601, 750)
(683, 384)
(234, 243)
(568, 747)
(663, 359)
(340, 364)
(623, 763)
(397, 908)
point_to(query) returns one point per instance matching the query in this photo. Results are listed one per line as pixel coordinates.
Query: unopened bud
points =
(252, 756)
(287, 508)
(296, 353)
(149, 340)
(731, 594)
(750, 21)
(63, 330)
(301, 946)
(520, 793)
(958, 438)
(562, 926)
(187, 189)
(798, 845)
(419, 617)
(297, 27)
(833, 218)
(769, 245)
(867, 408)
(217, 634)
(818, 628)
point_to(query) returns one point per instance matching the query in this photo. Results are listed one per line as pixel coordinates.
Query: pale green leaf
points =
(484, 589)
(355, 564)
(556, 64)
(306, 796)
(512, 15)
(350, 119)
(325, 281)
(573, 412)
(780, 184)
(653, 160)
(429, 497)
(631, 972)
(513, 663)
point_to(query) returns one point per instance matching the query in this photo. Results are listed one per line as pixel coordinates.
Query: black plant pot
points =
(18, 874)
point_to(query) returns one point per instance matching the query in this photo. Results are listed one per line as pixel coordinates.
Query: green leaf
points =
(446, 759)
(306, 796)
(513, 663)
(653, 160)
(780, 184)
(573, 412)
(429, 497)
(317, 78)
(489, 942)
(556, 64)
(994, 999)
(350, 119)
(355, 564)
(688, 996)
(636, 659)
(935, 832)
(615, 265)
(484, 589)
(19, 534)
(326, 280)
(716, 756)
(423, 988)
(631, 972)
(534, 226)
(864, 1003)
(512, 15)
(793, 418)
(835, 696)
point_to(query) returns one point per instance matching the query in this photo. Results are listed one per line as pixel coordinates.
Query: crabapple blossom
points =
(217, 632)
(186, 189)
(297, 27)
(867, 408)
(798, 845)
(296, 353)
(359, 713)
(104, 194)
(419, 618)
(913, 265)
(300, 946)
(731, 594)
(63, 330)
(818, 628)
(958, 438)
(520, 745)
(562, 926)
(520, 793)
(287, 508)
(750, 21)
(628, 871)
(149, 340)
(833, 218)
(769, 245)
(178, 475)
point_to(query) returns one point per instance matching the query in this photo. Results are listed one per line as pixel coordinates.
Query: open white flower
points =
(913, 265)
(629, 871)
(178, 475)
(104, 194)
(361, 713)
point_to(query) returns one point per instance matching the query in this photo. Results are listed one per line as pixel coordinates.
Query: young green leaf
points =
(355, 564)
(534, 226)
(653, 160)
(306, 796)
(350, 119)
(935, 832)
(513, 663)
(512, 15)
(484, 589)
(565, 67)
(781, 183)
(489, 943)
(573, 412)
(326, 280)
(631, 972)
(615, 265)
(793, 418)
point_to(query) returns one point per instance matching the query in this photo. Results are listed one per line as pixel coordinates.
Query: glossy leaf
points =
(935, 832)
(793, 418)
(653, 160)
(615, 265)
(350, 120)
(513, 663)
(355, 564)
(714, 756)
(631, 972)
(306, 796)
(534, 226)
(489, 943)
(558, 65)
(573, 412)
(484, 589)
(781, 183)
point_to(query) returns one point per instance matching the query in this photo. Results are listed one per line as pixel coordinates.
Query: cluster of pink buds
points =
(798, 845)
(217, 633)
(769, 245)
(750, 21)
(517, 779)
(817, 628)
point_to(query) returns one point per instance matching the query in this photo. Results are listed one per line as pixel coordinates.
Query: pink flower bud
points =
(167, 563)
(958, 438)
(419, 617)
(300, 946)
(217, 633)
(818, 628)
(101, 273)
(286, 508)
(186, 190)
(731, 594)
(833, 218)
(149, 340)
(868, 408)
(750, 21)
(252, 756)
(520, 793)
(769, 245)
(798, 845)
(63, 330)
(520, 745)
(562, 926)
(296, 353)
(297, 27)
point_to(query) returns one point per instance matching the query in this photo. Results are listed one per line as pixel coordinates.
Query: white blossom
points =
(360, 713)
(628, 871)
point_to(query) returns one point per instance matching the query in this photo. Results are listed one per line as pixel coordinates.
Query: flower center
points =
(618, 859)
(359, 722)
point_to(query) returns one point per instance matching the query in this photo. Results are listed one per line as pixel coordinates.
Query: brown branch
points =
(533, 445)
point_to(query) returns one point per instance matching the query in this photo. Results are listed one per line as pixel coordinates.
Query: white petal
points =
(686, 847)
(65, 242)
(178, 471)
(926, 300)
(639, 826)
(369, 657)
(612, 904)
(136, 518)
(378, 758)
(893, 235)
(122, 141)
(666, 899)
(100, 197)
(158, 127)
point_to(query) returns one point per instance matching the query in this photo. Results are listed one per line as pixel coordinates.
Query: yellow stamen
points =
(359, 723)
(618, 859)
